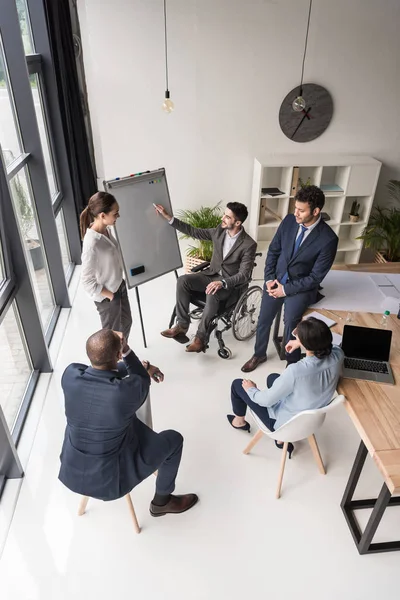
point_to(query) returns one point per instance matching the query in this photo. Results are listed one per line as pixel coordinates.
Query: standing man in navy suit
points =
(299, 256)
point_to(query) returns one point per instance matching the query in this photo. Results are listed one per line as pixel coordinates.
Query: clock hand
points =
(295, 131)
(308, 116)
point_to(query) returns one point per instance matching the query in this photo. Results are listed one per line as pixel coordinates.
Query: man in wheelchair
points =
(229, 270)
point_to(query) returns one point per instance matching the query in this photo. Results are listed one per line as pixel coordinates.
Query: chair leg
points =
(133, 514)
(83, 505)
(315, 450)
(253, 442)
(283, 462)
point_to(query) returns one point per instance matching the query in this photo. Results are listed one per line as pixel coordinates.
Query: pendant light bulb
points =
(299, 104)
(168, 106)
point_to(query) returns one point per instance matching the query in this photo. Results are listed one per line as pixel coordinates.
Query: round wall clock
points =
(312, 121)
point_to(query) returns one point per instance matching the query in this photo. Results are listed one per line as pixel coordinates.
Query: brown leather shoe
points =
(174, 331)
(176, 505)
(196, 346)
(253, 363)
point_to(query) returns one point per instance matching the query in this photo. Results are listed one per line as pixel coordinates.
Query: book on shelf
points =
(331, 188)
(295, 181)
(271, 191)
(325, 216)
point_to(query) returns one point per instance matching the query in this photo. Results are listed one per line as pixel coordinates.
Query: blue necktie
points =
(297, 245)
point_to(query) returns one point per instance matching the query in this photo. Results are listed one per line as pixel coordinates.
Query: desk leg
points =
(363, 540)
(365, 546)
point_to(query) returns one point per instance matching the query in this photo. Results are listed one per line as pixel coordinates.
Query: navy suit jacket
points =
(312, 261)
(99, 457)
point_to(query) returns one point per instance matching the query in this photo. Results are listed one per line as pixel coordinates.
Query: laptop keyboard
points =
(365, 365)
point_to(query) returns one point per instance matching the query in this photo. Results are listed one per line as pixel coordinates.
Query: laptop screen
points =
(366, 343)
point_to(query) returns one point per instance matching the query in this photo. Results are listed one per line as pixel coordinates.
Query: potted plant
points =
(204, 218)
(354, 214)
(382, 233)
(305, 184)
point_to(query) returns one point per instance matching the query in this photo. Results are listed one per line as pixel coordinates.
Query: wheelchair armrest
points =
(200, 267)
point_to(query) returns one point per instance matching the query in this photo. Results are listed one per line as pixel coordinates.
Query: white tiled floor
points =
(238, 542)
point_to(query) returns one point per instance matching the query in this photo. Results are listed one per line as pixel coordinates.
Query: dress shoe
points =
(174, 331)
(196, 346)
(176, 504)
(253, 363)
(290, 447)
(245, 427)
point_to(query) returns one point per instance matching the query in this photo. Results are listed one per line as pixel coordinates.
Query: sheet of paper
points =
(336, 338)
(350, 291)
(380, 280)
(326, 320)
(394, 280)
(389, 291)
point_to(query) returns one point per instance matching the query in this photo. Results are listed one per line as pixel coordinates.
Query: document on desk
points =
(350, 291)
(380, 280)
(336, 338)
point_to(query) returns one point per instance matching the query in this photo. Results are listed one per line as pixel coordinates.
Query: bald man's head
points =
(103, 348)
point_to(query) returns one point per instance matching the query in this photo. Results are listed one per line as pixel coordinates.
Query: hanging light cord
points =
(166, 45)
(305, 48)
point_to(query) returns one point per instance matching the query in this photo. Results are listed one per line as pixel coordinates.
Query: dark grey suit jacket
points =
(237, 266)
(102, 451)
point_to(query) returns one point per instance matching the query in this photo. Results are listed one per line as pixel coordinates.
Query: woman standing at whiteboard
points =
(101, 263)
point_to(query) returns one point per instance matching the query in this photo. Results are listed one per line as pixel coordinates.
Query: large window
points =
(62, 236)
(16, 367)
(9, 130)
(32, 244)
(38, 99)
(39, 238)
(25, 26)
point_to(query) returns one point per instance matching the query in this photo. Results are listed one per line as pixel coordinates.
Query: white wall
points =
(231, 64)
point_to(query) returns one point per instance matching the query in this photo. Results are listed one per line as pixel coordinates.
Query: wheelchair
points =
(239, 312)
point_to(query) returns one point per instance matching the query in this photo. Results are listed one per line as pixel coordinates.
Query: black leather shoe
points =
(253, 363)
(245, 427)
(176, 505)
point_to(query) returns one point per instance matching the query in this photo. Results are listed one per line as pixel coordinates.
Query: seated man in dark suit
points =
(107, 450)
(299, 256)
(231, 266)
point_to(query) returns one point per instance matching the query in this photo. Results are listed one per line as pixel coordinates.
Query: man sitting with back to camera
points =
(230, 268)
(299, 257)
(107, 450)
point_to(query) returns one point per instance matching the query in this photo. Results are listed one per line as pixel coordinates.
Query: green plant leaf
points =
(383, 232)
(205, 217)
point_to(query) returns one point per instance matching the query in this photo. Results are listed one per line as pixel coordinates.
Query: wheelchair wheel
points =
(224, 353)
(245, 315)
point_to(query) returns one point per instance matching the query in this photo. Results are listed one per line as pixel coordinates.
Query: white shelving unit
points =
(357, 176)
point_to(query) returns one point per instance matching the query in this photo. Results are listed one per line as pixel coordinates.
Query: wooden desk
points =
(374, 409)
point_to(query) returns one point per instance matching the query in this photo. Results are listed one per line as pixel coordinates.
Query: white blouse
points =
(101, 264)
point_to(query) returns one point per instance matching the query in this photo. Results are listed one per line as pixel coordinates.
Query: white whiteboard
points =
(145, 237)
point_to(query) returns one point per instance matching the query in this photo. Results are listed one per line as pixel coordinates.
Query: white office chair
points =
(301, 426)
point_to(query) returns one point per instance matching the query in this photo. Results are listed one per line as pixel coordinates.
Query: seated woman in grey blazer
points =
(307, 384)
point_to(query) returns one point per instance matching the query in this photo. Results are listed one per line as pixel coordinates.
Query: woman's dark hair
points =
(239, 210)
(313, 195)
(100, 202)
(315, 336)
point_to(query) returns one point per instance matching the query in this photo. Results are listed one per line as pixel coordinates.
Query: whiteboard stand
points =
(140, 311)
(141, 317)
(149, 246)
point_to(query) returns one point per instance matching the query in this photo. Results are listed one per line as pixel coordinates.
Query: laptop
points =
(366, 353)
